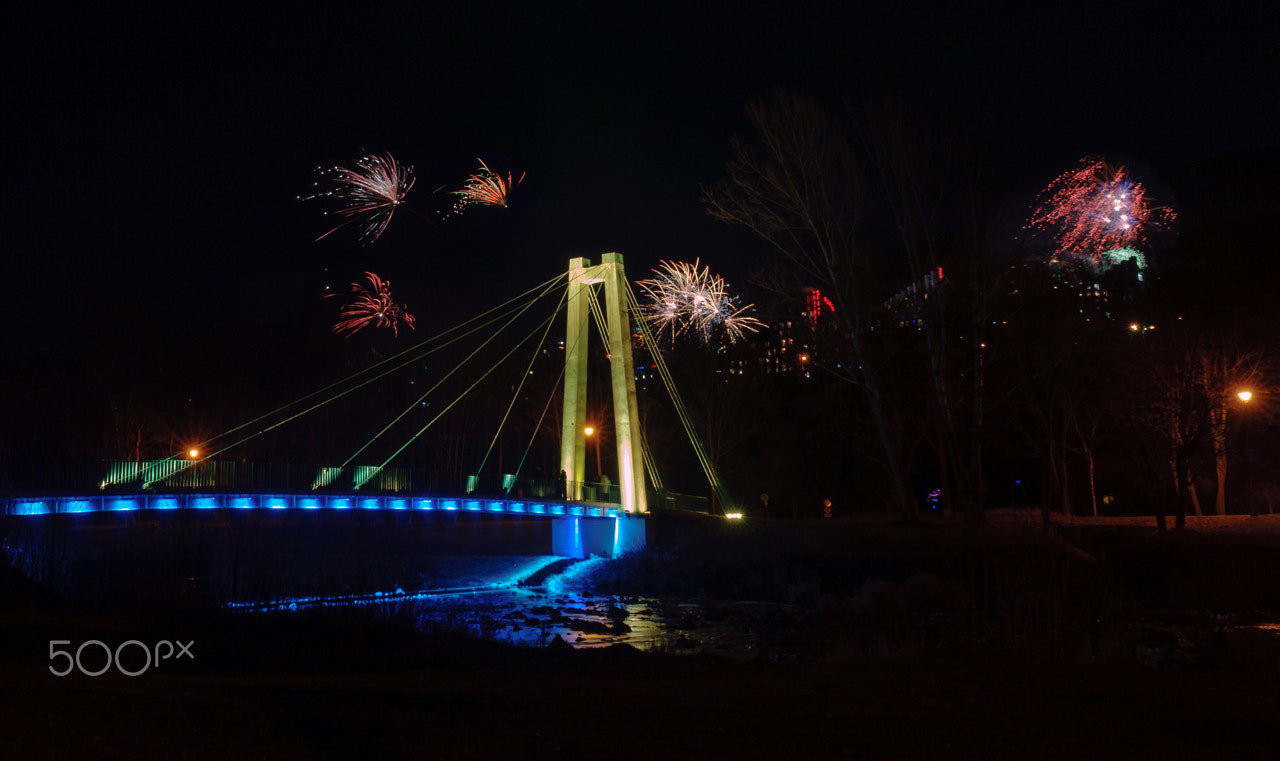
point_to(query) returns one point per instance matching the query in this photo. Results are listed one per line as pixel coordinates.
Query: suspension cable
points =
(520, 386)
(550, 397)
(699, 450)
(414, 404)
(419, 355)
(468, 390)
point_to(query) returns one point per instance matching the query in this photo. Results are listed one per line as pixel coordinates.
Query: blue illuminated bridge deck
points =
(310, 501)
(577, 529)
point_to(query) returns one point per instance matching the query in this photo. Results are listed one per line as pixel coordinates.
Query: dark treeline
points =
(966, 362)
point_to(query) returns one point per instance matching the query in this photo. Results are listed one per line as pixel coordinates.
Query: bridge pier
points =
(583, 537)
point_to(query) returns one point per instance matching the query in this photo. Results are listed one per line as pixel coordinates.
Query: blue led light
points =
(30, 508)
(572, 538)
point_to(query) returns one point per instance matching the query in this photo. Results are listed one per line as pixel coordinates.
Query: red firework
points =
(367, 194)
(485, 188)
(1096, 208)
(372, 306)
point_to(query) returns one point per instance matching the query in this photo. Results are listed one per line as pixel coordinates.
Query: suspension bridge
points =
(587, 519)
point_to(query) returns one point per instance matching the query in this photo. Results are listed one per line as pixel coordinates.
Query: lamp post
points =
(590, 434)
(1219, 433)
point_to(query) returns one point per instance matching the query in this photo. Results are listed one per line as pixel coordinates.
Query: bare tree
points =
(801, 188)
(1226, 367)
(935, 204)
(1173, 406)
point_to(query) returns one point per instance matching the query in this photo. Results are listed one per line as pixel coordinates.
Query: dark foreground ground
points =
(1019, 680)
(629, 705)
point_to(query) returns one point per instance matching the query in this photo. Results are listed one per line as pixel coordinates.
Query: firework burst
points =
(372, 306)
(366, 195)
(1094, 209)
(686, 297)
(484, 188)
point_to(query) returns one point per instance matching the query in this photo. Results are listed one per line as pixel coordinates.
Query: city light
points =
(1245, 395)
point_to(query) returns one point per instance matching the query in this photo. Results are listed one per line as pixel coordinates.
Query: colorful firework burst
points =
(686, 297)
(372, 306)
(1094, 209)
(366, 195)
(1118, 255)
(484, 188)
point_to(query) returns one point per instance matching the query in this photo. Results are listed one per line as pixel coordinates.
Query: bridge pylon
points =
(583, 276)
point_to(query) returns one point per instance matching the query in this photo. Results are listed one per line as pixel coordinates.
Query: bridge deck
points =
(310, 501)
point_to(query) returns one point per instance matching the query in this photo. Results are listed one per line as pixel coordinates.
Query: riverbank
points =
(934, 641)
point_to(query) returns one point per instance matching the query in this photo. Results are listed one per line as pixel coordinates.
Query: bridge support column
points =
(626, 412)
(573, 442)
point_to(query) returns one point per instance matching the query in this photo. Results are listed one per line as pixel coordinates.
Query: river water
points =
(535, 616)
(507, 609)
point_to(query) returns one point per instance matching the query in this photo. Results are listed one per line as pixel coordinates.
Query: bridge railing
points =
(179, 476)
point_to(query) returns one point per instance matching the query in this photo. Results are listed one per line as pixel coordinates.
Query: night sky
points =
(153, 160)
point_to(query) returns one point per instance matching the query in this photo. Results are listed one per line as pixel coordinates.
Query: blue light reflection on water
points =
(505, 611)
(511, 579)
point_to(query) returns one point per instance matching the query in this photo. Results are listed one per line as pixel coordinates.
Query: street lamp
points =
(588, 431)
(1218, 430)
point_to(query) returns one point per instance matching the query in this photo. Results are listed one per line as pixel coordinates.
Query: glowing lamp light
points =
(733, 516)
(1133, 326)
(1245, 395)
(588, 430)
(194, 453)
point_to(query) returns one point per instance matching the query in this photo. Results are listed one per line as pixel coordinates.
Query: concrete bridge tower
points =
(583, 276)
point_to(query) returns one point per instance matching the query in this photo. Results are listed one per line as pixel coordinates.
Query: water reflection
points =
(535, 617)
